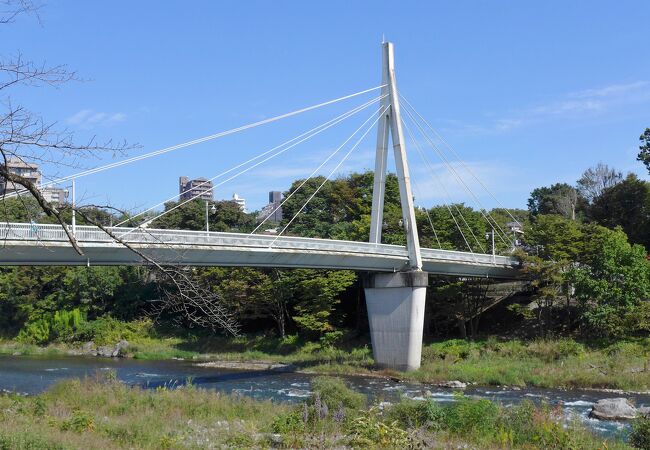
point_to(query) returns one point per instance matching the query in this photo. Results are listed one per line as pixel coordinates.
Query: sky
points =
(526, 93)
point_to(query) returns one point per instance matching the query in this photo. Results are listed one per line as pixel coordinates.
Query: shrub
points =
(472, 417)
(107, 330)
(79, 421)
(640, 436)
(333, 392)
(415, 414)
(368, 431)
(453, 349)
(65, 324)
(328, 340)
(60, 326)
(555, 350)
(37, 332)
(288, 424)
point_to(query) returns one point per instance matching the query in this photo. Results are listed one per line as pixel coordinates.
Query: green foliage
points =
(78, 422)
(36, 332)
(644, 149)
(108, 330)
(640, 436)
(60, 326)
(330, 339)
(334, 392)
(289, 423)
(611, 282)
(625, 205)
(559, 199)
(472, 417)
(317, 294)
(369, 431)
(227, 216)
(415, 414)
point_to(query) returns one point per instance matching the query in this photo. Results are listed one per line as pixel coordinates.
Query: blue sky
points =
(528, 93)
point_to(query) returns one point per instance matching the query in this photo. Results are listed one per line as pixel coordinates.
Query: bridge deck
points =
(27, 244)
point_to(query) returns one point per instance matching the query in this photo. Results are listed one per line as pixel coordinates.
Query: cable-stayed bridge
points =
(397, 278)
(32, 244)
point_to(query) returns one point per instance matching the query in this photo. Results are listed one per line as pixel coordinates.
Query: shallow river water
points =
(31, 375)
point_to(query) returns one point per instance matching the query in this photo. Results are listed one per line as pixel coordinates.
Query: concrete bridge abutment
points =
(395, 303)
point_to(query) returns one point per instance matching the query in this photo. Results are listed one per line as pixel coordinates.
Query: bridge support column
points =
(395, 303)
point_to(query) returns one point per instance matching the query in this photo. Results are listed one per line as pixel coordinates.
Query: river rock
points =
(644, 411)
(613, 409)
(454, 384)
(112, 351)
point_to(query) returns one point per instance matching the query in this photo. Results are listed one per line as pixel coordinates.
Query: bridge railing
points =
(93, 234)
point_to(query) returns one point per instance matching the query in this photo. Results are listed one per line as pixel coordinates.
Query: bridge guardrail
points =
(87, 234)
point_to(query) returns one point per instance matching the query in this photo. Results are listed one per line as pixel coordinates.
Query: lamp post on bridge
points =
(207, 215)
(490, 235)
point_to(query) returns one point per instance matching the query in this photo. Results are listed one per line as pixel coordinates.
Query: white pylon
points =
(392, 122)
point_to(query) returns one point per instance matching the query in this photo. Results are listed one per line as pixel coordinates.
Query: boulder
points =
(454, 384)
(110, 351)
(613, 409)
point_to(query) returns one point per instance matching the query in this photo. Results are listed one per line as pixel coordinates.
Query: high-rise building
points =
(240, 201)
(199, 188)
(272, 212)
(23, 169)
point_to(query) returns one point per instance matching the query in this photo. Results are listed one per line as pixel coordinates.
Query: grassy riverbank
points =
(560, 363)
(101, 413)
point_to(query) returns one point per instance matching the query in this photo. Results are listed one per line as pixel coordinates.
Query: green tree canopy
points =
(627, 205)
(644, 149)
(612, 282)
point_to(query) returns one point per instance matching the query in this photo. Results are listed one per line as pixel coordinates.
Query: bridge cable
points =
(427, 164)
(419, 192)
(345, 157)
(200, 140)
(455, 153)
(482, 209)
(318, 129)
(484, 212)
(310, 133)
(313, 173)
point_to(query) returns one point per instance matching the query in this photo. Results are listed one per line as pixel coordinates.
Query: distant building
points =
(240, 201)
(515, 227)
(199, 188)
(55, 196)
(272, 212)
(23, 169)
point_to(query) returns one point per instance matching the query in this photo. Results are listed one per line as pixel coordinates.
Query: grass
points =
(101, 413)
(558, 363)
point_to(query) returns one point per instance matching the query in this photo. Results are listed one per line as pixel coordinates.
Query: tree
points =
(627, 205)
(317, 294)
(644, 149)
(554, 238)
(560, 199)
(227, 216)
(595, 180)
(612, 282)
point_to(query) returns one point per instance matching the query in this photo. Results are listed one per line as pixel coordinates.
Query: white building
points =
(240, 201)
(55, 196)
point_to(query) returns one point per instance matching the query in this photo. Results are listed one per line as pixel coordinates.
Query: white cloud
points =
(88, 118)
(574, 105)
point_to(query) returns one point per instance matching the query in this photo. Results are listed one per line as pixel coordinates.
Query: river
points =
(30, 375)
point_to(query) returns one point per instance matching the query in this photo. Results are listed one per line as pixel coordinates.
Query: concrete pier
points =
(395, 303)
